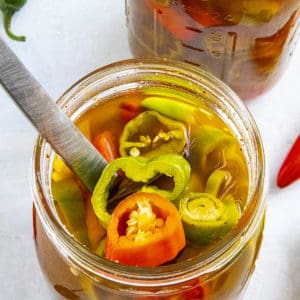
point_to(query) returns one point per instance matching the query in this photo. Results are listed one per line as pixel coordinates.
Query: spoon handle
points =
(51, 122)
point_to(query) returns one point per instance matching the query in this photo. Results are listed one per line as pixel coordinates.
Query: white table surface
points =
(67, 39)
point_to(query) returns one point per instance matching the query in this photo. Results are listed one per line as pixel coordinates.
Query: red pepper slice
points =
(145, 230)
(106, 144)
(173, 20)
(290, 169)
(197, 292)
(130, 108)
(200, 15)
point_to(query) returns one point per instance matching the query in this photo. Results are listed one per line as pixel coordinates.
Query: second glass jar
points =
(246, 43)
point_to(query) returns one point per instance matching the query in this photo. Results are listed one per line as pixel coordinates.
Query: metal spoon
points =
(50, 121)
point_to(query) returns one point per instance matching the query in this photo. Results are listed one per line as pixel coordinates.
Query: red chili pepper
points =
(197, 293)
(199, 14)
(145, 230)
(106, 144)
(130, 108)
(290, 169)
(173, 20)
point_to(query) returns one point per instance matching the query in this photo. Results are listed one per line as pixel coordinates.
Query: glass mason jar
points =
(245, 43)
(75, 272)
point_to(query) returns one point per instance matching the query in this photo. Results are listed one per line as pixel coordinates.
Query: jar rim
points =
(203, 264)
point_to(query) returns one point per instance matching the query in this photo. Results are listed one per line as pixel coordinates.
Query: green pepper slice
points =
(207, 141)
(141, 169)
(206, 218)
(215, 181)
(70, 202)
(209, 138)
(178, 110)
(151, 134)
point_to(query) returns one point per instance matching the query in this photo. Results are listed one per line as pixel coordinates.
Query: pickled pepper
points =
(145, 230)
(150, 134)
(206, 218)
(141, 169)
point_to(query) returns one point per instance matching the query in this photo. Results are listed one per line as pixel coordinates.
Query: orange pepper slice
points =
(145, 230)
